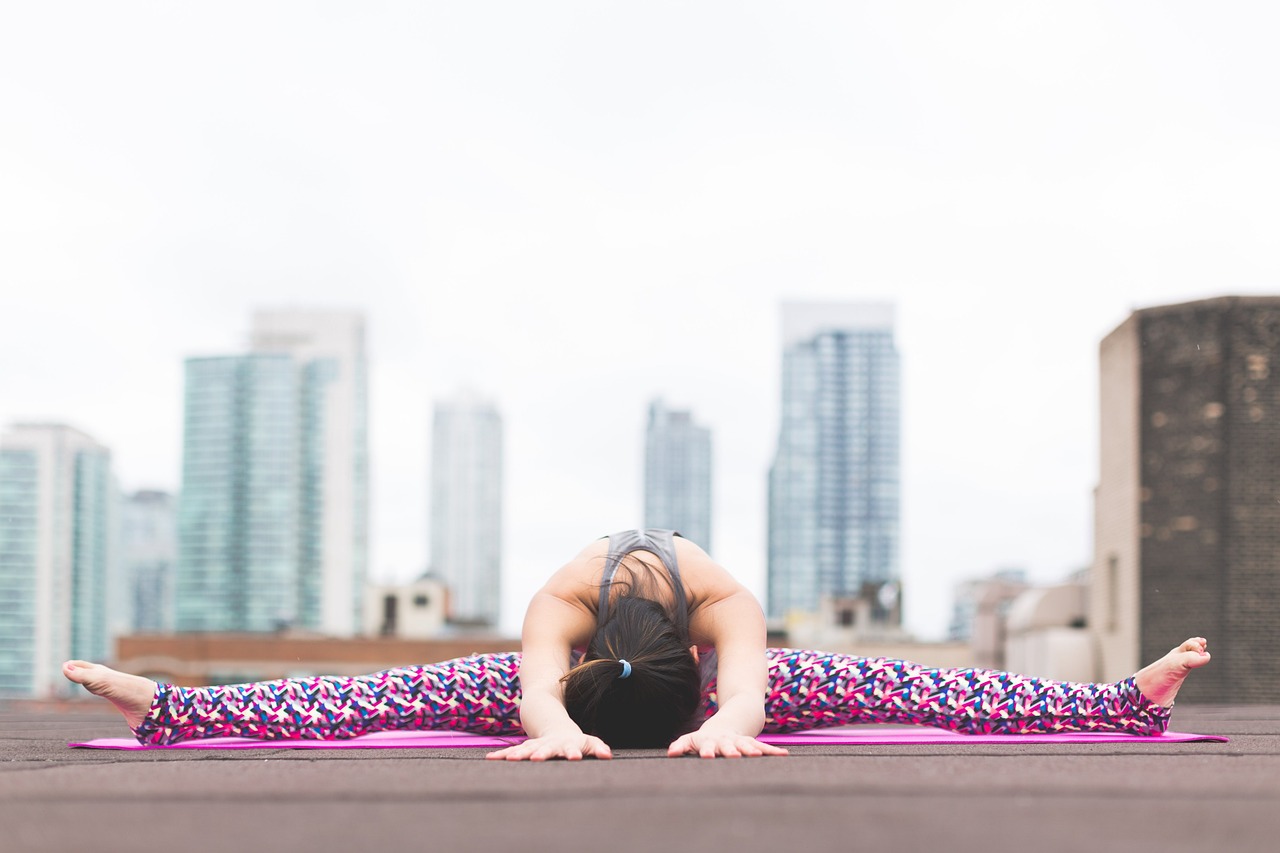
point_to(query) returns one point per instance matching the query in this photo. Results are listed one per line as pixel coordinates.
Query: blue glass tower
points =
(238, 516)
(273, 517)
(57, 500)
(833, 486)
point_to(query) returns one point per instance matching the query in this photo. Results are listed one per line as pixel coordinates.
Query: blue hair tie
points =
(626, 668)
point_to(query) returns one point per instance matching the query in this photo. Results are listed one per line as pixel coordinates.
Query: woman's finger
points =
(680, 747)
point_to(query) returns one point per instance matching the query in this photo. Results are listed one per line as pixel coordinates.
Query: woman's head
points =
(657, 700)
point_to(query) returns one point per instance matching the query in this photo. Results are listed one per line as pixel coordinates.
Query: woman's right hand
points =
(572, 746)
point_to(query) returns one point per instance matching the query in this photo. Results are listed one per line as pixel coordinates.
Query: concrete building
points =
(980, 614)
(1046, 634)
(466, 506)
(273, 518)
(833, 486)
(677, 474)
(57, 500)
(1187, 526)
(414, 611)
(148, 558)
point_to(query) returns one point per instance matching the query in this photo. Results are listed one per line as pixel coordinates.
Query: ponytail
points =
(638, 684)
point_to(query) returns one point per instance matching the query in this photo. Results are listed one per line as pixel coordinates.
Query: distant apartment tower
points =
(148, 554)
(466, 506)
(833, 486)
(328, 348)
(1187, 528)
(677, 474)
(57, 497)
(273, 518)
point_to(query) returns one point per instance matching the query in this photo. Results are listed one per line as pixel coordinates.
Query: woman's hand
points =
(721, 744)
(568, 745)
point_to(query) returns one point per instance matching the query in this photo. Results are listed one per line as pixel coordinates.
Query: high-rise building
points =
(273, 517)
(833, 486)
(328, 348)
(677, 474)
(238, 567)
(148, 553)
(1187, 508)
(57, 497)
(466, 506)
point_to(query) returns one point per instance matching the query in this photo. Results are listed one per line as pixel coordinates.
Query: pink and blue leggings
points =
(806, 690)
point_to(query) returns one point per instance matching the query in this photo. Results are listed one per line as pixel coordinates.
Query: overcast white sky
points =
(574, 207)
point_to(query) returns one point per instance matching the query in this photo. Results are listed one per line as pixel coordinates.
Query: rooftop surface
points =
(1132, 797)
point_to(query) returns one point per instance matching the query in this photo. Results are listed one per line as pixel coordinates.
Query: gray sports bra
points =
(659, 542)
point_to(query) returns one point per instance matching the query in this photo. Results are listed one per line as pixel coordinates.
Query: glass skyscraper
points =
(677, 474)
(328, 350)
(238, 515)
(273, 517)
(833, 486)
(466, 506)
(57, 500)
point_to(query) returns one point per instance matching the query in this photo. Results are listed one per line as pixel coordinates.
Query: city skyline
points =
(524, 201)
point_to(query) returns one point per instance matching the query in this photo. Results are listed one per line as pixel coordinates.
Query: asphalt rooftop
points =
(1132, 797)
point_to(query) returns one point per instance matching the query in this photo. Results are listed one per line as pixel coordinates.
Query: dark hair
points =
(657, 702)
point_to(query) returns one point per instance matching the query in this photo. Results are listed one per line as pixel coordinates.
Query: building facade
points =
(273, 517)
(834, 482)
(57, 499)
(329, 353)
(677, 474)
(238, 514)
(148, 557)
(466, 506)
(1187, 524)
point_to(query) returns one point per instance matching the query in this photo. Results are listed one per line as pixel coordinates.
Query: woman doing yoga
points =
(642, 640)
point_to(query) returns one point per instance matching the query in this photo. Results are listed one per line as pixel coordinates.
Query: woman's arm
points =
(553, 625)
(730, 619)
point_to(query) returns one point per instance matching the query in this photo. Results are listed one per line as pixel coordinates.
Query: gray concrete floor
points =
(1198, 796)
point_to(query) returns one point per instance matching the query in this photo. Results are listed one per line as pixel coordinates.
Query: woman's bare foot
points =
(1160, 681)
(131, 694)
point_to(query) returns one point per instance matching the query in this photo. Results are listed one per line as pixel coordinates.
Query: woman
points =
(643, 640)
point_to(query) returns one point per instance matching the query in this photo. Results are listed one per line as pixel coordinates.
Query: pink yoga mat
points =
(869, 735)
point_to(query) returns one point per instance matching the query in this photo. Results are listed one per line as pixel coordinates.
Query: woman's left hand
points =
(721, 744)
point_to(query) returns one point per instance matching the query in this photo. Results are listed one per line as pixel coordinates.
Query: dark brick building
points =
(1188, 499)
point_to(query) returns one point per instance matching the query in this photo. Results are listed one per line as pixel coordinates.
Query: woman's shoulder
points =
(705, 580)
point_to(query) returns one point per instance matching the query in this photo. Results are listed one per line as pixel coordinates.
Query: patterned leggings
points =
(806, 690)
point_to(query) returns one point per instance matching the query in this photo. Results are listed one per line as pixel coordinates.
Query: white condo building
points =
(466, 506)
(57, 501)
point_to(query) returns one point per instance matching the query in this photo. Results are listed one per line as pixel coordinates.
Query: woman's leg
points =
(480, 693)
(815, 689)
